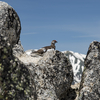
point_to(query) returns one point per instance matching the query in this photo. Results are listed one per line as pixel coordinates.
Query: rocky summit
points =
(52, 74)
(29, 77)
(90, 84)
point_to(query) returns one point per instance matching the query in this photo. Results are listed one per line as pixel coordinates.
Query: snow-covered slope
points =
(77, 61)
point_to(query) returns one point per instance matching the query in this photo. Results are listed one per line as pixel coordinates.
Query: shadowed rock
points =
(15, 79)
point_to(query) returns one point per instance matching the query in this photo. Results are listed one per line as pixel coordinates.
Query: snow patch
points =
(77, 61)
(79, 56)
(28, 52)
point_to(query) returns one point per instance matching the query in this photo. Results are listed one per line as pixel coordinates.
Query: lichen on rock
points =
(52, 74)
(15, 80)
(90, 84)
(10, 26)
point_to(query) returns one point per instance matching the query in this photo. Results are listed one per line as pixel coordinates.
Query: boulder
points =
(90, 84)
(52, 74)
(10, 26)
(15, 78)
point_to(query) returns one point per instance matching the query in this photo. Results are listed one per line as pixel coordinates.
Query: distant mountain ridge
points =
(77, 61)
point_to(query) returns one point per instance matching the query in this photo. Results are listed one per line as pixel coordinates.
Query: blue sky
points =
(73, 23)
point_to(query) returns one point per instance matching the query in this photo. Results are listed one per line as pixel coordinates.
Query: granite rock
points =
(10, 26)
(18, 49)
(15, 78)
(90, 84)
(52, 74)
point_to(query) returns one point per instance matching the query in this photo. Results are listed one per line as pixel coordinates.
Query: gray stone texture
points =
(53, 76)
(90, 84)
(18, 49)
(15, 80)
(22, 77)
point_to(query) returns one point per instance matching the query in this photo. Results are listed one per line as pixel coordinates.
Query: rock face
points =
(9, 25)
(90, 84)
(24, 77)
(18, 49)
(52, 74)
(77, 61)
(15, 80)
